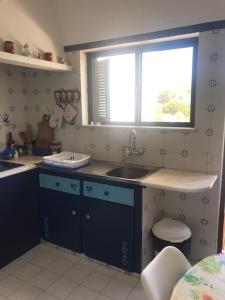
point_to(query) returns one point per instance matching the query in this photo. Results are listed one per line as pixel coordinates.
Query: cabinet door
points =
(60, 219)
(19, 220)
(108, 231)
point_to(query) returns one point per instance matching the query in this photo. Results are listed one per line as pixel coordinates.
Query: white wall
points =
(204, 146)
(85, 21)
(32, 22)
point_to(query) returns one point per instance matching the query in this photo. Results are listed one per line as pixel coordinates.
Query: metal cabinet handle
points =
(57, 184)
(106, 193)
(88, 217)
(73, 186)
(74, 212)
(89, 189)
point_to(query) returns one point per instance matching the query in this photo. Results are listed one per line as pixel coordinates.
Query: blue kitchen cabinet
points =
(99, 218)
(60, 211)
(19, 218)
(108, 233)
(108, 224)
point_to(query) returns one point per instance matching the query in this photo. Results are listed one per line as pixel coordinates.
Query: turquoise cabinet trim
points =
(109, 193)
(61, 184)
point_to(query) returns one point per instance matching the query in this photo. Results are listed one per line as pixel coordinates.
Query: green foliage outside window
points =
(173, 106)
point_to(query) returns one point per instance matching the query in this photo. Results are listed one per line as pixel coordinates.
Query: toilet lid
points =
(171, 230)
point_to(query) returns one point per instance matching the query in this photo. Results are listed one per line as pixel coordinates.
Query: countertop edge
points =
(181, 190)
(18, 170)
(208, 180)
(171, 186)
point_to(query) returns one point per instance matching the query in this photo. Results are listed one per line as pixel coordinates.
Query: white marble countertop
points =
(27, 160)
(28, 163)
(181, 181)
(165, 179)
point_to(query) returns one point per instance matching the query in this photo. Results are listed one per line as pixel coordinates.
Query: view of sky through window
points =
(122, 88)
(166, 85)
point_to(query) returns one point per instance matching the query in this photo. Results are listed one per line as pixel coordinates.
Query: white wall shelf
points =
(33, 63)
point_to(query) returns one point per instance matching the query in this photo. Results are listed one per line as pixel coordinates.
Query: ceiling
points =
(83, 21)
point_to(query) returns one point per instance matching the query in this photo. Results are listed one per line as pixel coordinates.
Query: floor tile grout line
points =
(23, 283)
(45, 288)
(41, 291)
(67, 295)
(72, 291)
(83, 256)
(130, 292)
(42, 269)
(111, 279)
(78, 283)
(30, 283)
(41, 249)
(60, 276)
(81, 283)
(46, 269)
(134, 286)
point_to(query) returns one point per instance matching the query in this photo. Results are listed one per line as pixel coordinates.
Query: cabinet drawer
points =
(109, 193)
(62, 184)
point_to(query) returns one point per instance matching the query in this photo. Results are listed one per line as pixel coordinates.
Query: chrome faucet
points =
(131, 148)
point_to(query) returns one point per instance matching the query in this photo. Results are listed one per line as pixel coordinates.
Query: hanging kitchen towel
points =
(56, 117)
(70, 113)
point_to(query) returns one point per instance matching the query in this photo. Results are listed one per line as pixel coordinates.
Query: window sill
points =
(141, 127)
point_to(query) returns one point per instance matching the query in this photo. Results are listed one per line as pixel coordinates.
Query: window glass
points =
(122, 88)
(150, 85)
(166, 85)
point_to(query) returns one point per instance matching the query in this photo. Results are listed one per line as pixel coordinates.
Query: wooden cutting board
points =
(45, 133)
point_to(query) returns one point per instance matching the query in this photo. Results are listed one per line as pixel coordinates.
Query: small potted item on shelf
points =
(26, 50)
(9, 47)
(48, 56)
(60, 60)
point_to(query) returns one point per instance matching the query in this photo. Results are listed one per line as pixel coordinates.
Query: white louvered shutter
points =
(101, 90)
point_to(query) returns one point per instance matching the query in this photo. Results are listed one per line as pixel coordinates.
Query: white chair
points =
(163, 272)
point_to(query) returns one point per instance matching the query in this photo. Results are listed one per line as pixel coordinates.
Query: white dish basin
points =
(68, 160)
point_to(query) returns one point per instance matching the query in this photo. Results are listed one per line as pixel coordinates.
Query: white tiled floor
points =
(49, 273)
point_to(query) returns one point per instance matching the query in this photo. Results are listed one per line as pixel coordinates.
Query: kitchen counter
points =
(28, 163)
(27, 160)
(166, 179)
(181, 181)
(95, 169)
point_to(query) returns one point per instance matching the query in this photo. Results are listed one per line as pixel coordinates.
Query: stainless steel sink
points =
(130, 172)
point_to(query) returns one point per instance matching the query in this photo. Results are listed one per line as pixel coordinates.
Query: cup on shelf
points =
(48, 56)
(9, 47)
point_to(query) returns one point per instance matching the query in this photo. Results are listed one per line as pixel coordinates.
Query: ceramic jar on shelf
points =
(9, 47)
